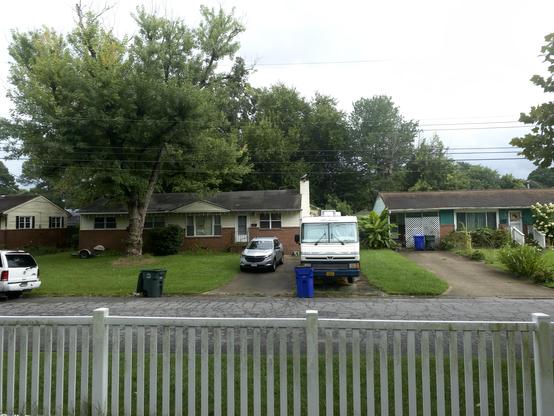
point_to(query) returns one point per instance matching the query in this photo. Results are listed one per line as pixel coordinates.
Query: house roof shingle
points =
(278, 200)
(10, 201)
(488, 198)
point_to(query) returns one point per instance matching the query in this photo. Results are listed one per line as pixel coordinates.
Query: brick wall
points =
(446, 229)
(219, 243)
(18, 239)
(115, 239)
(285, 235)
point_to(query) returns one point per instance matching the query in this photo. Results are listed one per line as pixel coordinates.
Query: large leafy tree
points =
(429, 168)
(541, 178)
(326, 136)
(7, 181)
(101, 116)
(273, 136)
(381, 143)
(538, 146)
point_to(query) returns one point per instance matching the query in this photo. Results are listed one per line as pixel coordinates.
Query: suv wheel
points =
(274, 265)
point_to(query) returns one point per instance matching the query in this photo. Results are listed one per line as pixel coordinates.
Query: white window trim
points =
(194, 226)
(58, 219)
(152, 218)
(105, 222)
(271, 220)
(21, 217)
(472, 211)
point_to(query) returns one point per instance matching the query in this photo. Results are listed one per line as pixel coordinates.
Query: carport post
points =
(312, 364)
(100, 362)
(542, 347)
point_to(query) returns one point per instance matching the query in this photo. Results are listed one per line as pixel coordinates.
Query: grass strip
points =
(396, 275)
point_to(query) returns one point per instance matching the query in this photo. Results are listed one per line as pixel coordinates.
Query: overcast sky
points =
(458, 62)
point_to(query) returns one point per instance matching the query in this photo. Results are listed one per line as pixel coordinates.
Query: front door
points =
(241, 234)
(514, 220)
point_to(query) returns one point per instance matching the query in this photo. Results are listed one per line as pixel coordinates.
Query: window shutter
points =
(33, 222)
(63, 222)
(17, 222)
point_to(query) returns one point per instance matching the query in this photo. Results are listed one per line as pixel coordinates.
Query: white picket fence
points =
(113, 365)
(539, 237)
(517, 236)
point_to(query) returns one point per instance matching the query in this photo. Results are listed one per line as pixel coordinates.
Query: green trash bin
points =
(429, 242)
(151, 282)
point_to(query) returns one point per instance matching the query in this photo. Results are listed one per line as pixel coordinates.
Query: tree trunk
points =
(137, 206)
(137, 215)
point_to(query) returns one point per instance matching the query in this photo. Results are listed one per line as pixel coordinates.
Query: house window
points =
(153, 221)
(203, 225)
(22, 223)
(101, 223)
(472, 221)
(56, 222)
(270, 221)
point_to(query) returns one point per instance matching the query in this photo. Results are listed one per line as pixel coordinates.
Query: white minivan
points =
(18, 273)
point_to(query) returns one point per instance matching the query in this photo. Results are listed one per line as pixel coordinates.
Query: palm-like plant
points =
(375, 230)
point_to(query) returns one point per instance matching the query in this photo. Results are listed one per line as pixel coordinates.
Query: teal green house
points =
(439, 213)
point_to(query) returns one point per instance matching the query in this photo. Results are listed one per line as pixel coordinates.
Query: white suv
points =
(18, 273)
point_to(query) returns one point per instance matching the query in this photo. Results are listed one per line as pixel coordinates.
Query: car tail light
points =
(4, 276)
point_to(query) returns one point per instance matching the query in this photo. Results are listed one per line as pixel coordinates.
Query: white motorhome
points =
(329, 244)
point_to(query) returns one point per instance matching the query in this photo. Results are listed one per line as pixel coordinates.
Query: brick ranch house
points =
(440, 213)
(218, 222)
(31, 220)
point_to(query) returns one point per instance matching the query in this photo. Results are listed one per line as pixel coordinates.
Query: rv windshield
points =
(343, 232)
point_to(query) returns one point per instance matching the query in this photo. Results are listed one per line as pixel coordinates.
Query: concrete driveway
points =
(468, 278)
(282, 282)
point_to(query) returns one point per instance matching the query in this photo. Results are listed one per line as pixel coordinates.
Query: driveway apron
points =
(281, 282)
(468, 278)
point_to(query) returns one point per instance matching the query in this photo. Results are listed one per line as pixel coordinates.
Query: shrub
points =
(489, 238)
(165, 241)
(500, 238)
(456, 240)
(375, 230)
(481, 237)
(476, 255)
(525, 261)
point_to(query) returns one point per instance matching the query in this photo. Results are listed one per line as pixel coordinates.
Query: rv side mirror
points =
(297, 238)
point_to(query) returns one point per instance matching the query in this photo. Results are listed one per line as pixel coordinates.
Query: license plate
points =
(329, 274)
(254, 265)
(23, 285)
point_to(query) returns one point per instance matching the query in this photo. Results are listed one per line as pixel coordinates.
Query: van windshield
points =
(342, 232)
(20, 260)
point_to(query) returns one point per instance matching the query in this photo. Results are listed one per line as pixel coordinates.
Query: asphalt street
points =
(221, 306)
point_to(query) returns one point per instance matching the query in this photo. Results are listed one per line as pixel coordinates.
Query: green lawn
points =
(396, 275)
(111, 275)
(289, 385)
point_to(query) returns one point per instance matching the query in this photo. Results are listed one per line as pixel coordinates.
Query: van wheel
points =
(14, 295)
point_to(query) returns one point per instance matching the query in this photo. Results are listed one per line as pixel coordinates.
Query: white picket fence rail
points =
(517, 236)
(539, 237)
(113, 365)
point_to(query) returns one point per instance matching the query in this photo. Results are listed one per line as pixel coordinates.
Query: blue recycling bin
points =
(419, 242)
(304, 282)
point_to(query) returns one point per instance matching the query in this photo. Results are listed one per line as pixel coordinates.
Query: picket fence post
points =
(542, 345)
(100, 362)
(312, 352)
